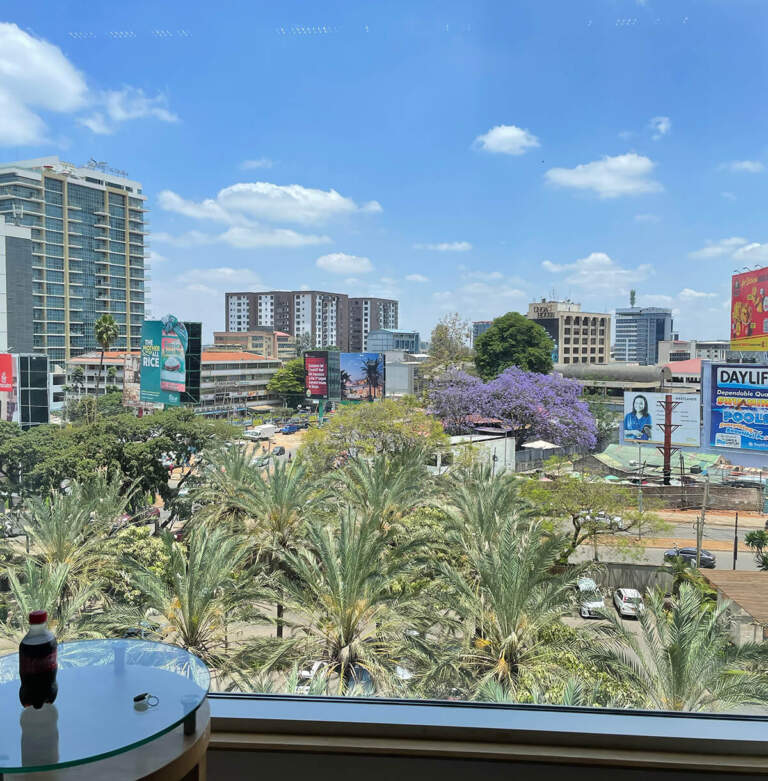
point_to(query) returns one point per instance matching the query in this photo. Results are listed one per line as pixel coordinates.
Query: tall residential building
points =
(330, 319)
(385, 339)
(579, 337)
(480, 327)
(15, 287)
(638, 333)
(370, 314)
(88, 237)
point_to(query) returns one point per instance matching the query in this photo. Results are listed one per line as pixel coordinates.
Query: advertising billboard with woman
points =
(644, 414)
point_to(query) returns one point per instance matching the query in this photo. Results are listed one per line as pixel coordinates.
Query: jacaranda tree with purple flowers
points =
(533, 406)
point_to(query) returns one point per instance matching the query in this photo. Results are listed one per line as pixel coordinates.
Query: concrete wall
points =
(643, 577)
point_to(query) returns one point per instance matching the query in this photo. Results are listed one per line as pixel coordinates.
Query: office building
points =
(88, 236)
(638, 333)
(320, 317)
(234, 381)
(579, 337)
(262, 341)
(383, 339)
(480, 327)
(83, 372)
(15, 287)
(370, 314)
(315, 318)
(672, 350)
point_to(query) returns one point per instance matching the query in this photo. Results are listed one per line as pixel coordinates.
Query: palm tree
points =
(339, 585)
(345, 379)
(478, 501)
(276, 505)
(683, 659)
(373, 375)
(49, 587)
(386, 487)
(223, 485)
(508, 596)
(205, 584)
(78, 378)
(106, 332)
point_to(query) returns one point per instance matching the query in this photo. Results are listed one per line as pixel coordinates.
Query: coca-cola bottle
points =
(37, 663)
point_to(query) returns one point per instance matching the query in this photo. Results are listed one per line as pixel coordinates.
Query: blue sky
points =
(461, 157)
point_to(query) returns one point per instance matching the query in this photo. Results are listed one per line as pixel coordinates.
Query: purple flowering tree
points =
(533, 406)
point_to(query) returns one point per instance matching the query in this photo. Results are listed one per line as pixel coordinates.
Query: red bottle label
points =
(35, 666)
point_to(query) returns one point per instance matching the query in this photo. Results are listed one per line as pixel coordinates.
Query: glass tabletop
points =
(94, 715)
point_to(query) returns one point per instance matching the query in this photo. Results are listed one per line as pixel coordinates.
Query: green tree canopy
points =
(448, 345)
(288, 382)
(513, 340)
(362, 430)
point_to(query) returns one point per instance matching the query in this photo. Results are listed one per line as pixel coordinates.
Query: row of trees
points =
(377, 576)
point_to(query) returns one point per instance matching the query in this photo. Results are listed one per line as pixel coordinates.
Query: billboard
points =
(644, 415)
(749, 310)
(362, 376)
(163, 360)
(132, 383)
(9, 390)
(316, 374)
(739, 406)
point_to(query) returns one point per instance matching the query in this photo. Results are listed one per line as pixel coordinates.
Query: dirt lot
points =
(747, 519)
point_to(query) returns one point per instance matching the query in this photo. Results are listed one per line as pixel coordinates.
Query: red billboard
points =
(316, 375)
(6, 373)
(749, 310)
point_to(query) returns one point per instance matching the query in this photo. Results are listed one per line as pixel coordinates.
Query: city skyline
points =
(442, 175)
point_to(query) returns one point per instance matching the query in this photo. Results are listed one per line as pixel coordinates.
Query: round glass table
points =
(94, 715)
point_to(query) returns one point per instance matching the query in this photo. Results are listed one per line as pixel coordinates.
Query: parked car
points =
(291, 428)
(707, 560)
(628, 602)
(260, 462)
(590, 598)
(278, 451)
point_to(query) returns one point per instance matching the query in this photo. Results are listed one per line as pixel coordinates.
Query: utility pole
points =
(700, 522)
(735, 540)
(667, 428)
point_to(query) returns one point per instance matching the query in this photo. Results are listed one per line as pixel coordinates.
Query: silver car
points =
(590, 598)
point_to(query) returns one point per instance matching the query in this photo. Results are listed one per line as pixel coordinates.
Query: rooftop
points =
(110, 356)
(213, 356)
(749, 590)
(691, 366)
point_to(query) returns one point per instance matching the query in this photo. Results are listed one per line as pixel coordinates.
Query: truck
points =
(258, 433)
(291, 428)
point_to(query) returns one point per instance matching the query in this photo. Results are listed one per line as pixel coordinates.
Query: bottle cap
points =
(38, 617)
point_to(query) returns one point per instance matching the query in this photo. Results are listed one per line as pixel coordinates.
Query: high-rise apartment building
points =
(15, 287)
(579, 337)
(330, 319)
(638, 333)
(370, 314)
(480, 327)
(88, 236)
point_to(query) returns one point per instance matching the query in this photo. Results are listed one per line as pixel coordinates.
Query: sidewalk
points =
(747, 519)
(669, 542)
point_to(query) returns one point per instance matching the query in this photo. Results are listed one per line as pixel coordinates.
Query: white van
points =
(628, 602)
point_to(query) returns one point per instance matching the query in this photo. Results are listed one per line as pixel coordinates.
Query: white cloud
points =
(693, 295)
(128, 103)
(34, 75)
(599, 271)
(261, 162)
(507, 140)
(446, 246)
(660, 126)
(243, 237)
(244, 201)
(610, 177)
(716, 249)
(744, 166)
(647, 218)
(155, 257)
(341, 263)
(728, 196)
(416, 278)
(751, 253)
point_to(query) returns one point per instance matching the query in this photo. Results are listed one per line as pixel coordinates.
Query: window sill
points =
(513, 733)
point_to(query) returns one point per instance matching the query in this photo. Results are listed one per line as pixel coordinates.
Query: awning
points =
(541, 444)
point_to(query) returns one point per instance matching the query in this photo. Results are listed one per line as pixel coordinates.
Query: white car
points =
(628, 602)
(590, 598)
